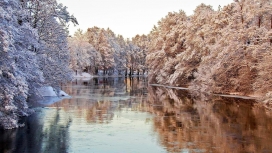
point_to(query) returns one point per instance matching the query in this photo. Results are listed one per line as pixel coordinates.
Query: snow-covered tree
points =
(238, 52)
(33, 50)
(223, 51)
(19, 71)
(116, 53)
(106, 52)
(50, 19)
(167, 40)
(120, 55)
(142, 42)
(83, 55)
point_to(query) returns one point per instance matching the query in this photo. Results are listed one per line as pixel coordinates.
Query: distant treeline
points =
(100, 50)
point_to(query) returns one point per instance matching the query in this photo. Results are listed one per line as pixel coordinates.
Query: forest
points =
(99, 49)
(33, 53)
(223, 51)
(227, 51)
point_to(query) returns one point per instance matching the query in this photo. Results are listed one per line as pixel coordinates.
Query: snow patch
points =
(50, 95)
(83, 75)
(47, 91)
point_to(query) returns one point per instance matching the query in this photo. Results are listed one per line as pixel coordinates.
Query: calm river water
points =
(118, 115)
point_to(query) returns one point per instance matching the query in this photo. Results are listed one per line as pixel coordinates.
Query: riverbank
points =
(260, 101)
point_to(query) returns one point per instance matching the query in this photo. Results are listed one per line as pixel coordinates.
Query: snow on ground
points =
(50, 95)
(83, 75)
(47, 91)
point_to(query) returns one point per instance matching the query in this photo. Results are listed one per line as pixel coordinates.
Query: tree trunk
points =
(131, 86)
(259, 22)
(126, 84)
(96, 71)
(271, 28)
(96, 81)
(271, 22)
(130, 72)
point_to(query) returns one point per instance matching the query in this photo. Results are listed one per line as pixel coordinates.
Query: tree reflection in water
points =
(219, 124)
(100, 97)
(39, 134)
(180, 123)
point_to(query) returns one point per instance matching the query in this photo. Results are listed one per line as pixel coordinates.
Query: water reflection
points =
(38, 134)
(219, 124)
(124, 115)
(98, 98)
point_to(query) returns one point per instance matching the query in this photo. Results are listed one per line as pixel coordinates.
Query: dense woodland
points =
(100, 49)
(212, 51)
(33, 53)
(224, 51)
(227, 51)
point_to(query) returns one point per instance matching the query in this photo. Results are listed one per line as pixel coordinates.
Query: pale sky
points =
(129, 17)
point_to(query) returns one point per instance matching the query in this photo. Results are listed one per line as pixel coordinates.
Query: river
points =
(122, 115)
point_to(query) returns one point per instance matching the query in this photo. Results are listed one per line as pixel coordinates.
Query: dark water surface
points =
(118, 115)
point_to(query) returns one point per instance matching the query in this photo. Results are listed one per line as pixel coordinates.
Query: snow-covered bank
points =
(222, 95)
(166, 86)
(49, 91)
(51, 95)
(87, 76)
(83, 75)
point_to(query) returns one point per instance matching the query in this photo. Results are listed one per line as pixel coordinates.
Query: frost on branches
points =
(223, 51)
(28, 53)
(100, 50)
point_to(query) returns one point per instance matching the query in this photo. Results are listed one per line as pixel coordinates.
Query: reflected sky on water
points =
(125, 115)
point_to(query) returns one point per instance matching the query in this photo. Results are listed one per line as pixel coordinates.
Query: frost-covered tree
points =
(84, 57)
(167, 40)
(117, 54)
(50, 19)
(223, 51)
(33, 50)
(142, 42)
(106, 52)
(238, 52)
(19, 71)
(120, 55)
(131, 57)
